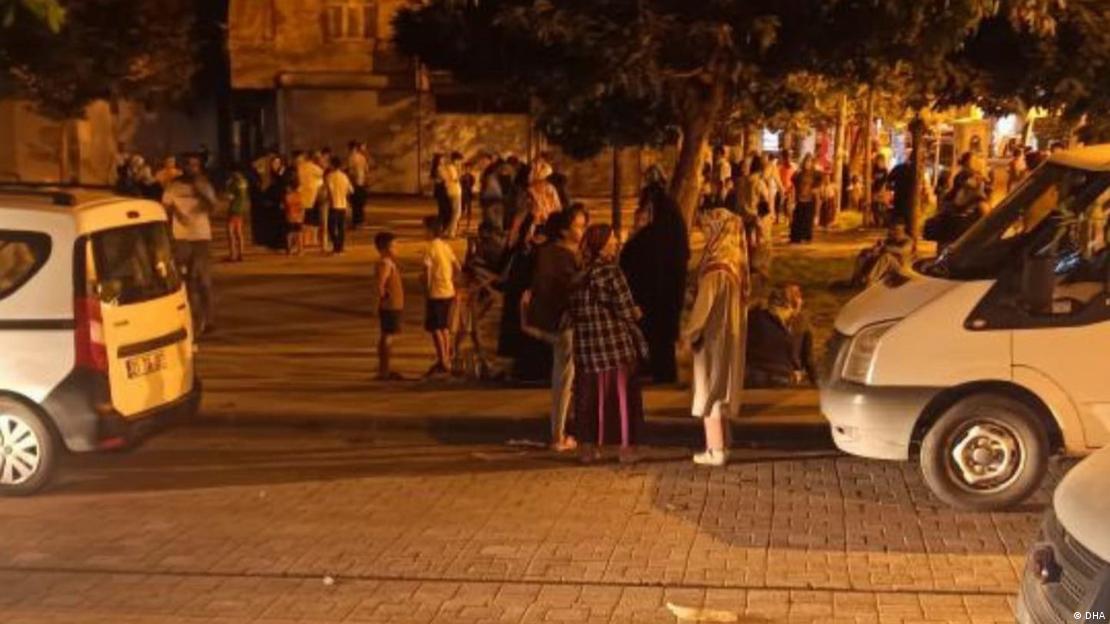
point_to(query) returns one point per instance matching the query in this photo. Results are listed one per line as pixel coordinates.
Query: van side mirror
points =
(1038, 282)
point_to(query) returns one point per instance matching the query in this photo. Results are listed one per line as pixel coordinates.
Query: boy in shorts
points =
(391, 302)
(440, 265)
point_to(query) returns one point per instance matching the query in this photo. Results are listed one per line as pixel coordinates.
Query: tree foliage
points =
(104, 49)
(618, 72)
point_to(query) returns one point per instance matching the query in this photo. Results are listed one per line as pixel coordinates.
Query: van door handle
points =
(121, 324)
(181, 307)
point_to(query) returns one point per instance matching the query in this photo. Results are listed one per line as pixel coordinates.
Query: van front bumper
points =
(874, 421)
(80, 408)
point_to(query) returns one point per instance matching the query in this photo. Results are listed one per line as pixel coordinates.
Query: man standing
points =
(339, 195)
(901, 181)
(190, 200)
(545, 306)
(311, 178)
(358, 170)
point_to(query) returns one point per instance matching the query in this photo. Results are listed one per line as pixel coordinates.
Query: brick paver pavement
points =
(244, 524)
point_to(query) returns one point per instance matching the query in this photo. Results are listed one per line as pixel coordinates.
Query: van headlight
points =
(857, 365)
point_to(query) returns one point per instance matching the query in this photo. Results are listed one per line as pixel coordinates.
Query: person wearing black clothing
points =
(531, 357)
(655, 261)
(780, 343)
(439, 188)
(901, 182)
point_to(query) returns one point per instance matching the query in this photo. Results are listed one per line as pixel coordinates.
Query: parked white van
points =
(1067, 572)
(96, 341)
(994, 356)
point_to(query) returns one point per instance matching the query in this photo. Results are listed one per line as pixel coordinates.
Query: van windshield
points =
(135, 263)
(1017, 224)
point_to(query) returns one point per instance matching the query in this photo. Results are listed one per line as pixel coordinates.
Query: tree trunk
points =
(616, 194)
(868, 131)
(917, 131)
(839, 151)
(700, 111)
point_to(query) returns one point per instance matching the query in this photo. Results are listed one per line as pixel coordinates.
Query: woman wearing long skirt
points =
(716, 330)
(608, 346)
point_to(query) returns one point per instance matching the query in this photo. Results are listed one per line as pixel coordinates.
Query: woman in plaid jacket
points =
(608, 347)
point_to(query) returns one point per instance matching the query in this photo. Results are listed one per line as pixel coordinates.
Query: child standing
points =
(440, 265)
(391, 302)
(239, 204)
(294, 218)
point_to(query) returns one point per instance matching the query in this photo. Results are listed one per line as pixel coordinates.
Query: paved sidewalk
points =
(244, 524)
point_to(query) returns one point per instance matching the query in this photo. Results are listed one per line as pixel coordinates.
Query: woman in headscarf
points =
(544, 195)
(716, 330)
(608, 346)
(655, 260)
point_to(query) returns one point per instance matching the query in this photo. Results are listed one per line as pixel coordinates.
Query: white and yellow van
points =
(96, 341)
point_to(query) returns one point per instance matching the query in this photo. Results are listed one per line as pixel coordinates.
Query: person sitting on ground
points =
(891, 254)
(391, 303)
(780, 343)
(440, 265)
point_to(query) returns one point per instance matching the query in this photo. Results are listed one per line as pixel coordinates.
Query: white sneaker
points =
(712, 457)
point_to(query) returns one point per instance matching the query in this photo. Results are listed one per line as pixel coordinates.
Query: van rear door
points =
(145, 316)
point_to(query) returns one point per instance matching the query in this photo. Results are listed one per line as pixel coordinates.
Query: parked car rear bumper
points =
(81, 410)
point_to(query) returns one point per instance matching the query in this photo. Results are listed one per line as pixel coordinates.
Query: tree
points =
(607, 72)
(694, 64)
(105, 49)
(1058, 64)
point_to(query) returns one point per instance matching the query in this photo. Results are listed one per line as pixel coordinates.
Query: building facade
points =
(313, 73)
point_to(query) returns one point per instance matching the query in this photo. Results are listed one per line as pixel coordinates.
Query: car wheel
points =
(987, 452)
(28, 451)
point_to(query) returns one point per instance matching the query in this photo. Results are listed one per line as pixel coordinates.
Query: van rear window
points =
(22, 254)
(135, 263)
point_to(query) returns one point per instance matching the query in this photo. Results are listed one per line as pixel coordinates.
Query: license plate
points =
(145, 364)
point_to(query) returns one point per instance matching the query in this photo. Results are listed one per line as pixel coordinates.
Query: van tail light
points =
(89, 336)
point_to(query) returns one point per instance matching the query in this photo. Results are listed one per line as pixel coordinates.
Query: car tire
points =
(985, 453)
(28, 449)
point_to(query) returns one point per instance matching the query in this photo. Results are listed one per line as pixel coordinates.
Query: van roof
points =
(1093, 158)
(55, 199)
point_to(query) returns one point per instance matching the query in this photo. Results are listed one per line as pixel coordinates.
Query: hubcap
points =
(987, 455)
(21, 450)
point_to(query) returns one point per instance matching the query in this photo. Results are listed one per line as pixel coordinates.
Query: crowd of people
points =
(591, 313)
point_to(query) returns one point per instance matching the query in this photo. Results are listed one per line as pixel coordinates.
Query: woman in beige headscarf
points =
(544, 195)
(716, 330)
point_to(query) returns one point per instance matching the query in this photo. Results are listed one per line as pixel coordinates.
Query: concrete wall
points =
(389, 120)
(30, 143)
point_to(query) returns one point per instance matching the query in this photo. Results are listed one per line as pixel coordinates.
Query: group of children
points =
(449, 309)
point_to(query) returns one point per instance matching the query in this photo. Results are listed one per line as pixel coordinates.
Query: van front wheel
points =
(987, 452)
(27, 450)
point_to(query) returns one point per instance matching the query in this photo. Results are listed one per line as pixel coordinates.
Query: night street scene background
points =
(585, 311)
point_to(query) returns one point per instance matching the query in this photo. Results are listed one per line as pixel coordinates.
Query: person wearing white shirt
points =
(340, 190)
(452, 180)
(358, 169)
(310, 175)
(440, 265)
(190, 199)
